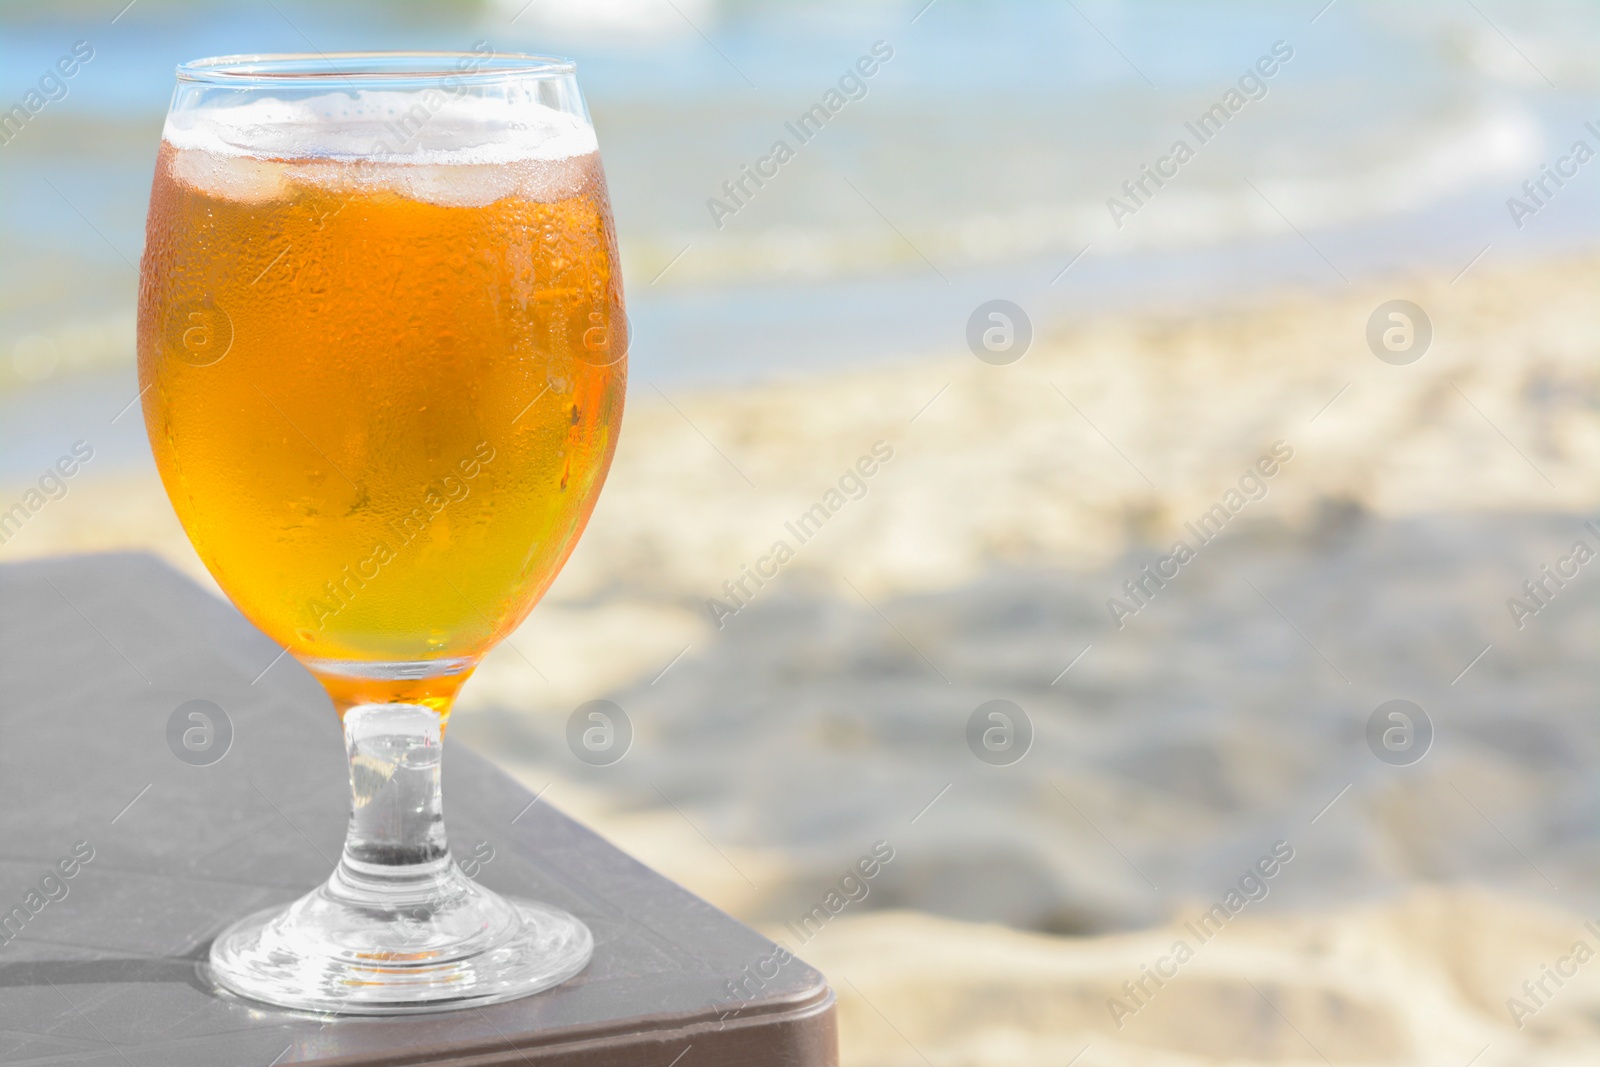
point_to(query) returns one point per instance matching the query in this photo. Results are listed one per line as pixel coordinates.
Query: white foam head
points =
(434, 126)
(437, 145)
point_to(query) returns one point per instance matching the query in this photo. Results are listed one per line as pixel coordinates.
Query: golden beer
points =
(382, 395)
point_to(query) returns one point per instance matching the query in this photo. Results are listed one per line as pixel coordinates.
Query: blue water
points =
(978, 165)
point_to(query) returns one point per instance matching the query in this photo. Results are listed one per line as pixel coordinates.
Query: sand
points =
(1420, 979)
(1170, 753)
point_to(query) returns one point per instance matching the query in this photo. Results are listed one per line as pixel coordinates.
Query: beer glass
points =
(383, 353)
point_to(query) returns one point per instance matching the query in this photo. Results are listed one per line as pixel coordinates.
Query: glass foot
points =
(464, 946)
(398, 927)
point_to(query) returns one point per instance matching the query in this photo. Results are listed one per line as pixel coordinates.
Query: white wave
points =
(1483, 148)
(624, 18)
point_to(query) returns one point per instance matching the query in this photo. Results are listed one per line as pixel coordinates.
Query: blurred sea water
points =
(977, 163)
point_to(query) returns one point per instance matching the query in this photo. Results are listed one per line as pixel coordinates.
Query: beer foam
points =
(385, 126)
(436, 146)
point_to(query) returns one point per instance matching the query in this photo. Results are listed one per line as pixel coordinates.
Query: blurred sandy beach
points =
(1226, 715)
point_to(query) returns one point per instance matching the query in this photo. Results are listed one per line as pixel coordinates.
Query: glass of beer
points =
(383, 353)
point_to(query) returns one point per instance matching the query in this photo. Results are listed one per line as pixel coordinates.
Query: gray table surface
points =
(95, 655)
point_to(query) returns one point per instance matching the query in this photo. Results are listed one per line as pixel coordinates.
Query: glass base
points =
(460, 946)
(398, 927)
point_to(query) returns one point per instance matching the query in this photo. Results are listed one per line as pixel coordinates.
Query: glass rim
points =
(283, 69)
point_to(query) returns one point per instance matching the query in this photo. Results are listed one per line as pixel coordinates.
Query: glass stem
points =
(395, 849)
